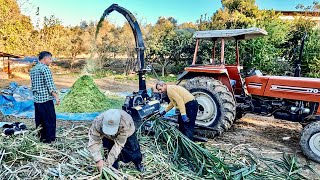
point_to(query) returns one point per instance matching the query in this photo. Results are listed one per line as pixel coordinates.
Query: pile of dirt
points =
(85, 96)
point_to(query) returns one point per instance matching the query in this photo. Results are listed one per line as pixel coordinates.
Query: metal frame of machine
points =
(139, 104)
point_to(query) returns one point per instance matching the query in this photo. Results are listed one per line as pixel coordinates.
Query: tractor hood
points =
(295, 88)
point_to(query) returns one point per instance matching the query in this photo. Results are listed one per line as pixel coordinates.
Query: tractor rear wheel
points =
(310, 141)
(217, 108)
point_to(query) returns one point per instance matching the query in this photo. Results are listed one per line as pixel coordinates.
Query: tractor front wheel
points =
(217, 108)
(310, 141)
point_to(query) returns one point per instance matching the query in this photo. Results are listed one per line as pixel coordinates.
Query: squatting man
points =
(115, 130)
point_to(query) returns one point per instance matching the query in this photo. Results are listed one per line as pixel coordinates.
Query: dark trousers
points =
(187, 128)
(130, 152)
(45, 117)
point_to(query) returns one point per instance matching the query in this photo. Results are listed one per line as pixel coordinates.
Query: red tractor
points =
(224, 94)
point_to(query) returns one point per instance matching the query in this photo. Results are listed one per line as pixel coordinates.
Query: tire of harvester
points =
(217, 107)
(310, 141)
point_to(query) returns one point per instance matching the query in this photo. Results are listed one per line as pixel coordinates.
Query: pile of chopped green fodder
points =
(85, 96)
(24, 157)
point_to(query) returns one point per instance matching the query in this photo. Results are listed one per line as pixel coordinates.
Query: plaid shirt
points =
(42, 84)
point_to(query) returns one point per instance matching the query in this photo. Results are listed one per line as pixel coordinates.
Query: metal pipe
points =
(213, 51)
(237, 53)
(222, 51)
(195, 52)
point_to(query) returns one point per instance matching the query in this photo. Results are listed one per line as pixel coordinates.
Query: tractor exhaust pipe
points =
(297, 71)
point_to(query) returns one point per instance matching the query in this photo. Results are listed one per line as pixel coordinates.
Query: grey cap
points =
(111, 121)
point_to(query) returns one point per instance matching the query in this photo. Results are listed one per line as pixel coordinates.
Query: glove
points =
(162, 113)
(185, 118)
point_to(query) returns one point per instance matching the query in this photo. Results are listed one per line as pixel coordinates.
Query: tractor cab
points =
(226, 71)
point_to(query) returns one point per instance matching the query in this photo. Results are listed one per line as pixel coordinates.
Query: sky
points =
(71, 12)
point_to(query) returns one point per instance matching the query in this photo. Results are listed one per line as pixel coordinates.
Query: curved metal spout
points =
(137, 35)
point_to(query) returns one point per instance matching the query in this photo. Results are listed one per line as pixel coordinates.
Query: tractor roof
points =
(230, 34)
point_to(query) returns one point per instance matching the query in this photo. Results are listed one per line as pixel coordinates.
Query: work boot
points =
(47, 141)
(7, 126)
(116, 165)
(139, 167)
(8, 131)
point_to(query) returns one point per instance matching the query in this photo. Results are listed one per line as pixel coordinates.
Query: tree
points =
(188, 25)
(182, 46)
(160, 42)
(54, 37)
(127, 44)
(311, 55)
(107, 40)
(15, 28)
(76, 43)
(300, 25)
(235, 14)
(87, 36)
(265, 53)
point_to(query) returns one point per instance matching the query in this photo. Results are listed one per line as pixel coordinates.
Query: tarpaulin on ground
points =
(18, 101)
(25, 109)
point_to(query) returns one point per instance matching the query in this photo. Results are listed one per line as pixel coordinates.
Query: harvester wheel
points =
(217, 108)
(310, 141)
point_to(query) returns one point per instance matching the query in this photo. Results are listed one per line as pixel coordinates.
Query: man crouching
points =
(115, 129)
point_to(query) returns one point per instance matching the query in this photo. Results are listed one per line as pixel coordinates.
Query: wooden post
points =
(195, 52)
(8, 68)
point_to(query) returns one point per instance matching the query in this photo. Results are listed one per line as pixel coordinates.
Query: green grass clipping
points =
(84, 97)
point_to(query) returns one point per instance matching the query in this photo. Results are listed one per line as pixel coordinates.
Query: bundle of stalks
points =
(203, 162)
(25, 157)
(166, 155)
(217, 164)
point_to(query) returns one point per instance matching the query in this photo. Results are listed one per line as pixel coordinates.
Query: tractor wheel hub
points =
(314, 143)
(207, 108)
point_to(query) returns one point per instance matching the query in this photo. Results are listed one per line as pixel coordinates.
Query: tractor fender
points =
(222, 76)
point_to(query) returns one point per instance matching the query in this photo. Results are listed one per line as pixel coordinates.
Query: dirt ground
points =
(265, 136)
(66, 81)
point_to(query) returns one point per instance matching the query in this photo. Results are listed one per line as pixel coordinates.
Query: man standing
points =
(115, 129)
(185, 102)
(43, 90)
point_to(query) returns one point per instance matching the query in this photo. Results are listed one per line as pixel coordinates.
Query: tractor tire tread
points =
(225, 99)
(306, 134)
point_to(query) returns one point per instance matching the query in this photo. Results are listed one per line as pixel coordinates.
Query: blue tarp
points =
(29, 59)
(17, 101)
(25, 109)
